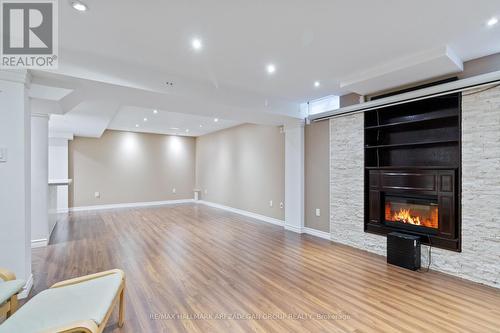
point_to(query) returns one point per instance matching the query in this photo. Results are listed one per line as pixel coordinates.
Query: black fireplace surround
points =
(413, 170)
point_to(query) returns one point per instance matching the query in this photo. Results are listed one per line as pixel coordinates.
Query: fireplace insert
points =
(419, 214)
(420, 202)
(413, 170)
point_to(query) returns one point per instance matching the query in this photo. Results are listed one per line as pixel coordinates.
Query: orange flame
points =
(408, 217)
(404, 216)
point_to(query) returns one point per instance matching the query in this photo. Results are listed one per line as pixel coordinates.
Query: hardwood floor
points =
(185, 263)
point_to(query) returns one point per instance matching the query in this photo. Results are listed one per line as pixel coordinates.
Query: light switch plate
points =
(3, 154)
(318, 212)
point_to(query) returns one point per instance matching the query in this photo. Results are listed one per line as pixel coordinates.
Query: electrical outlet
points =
(318, 212)
(281, 205)
(270, 203)
(97, 195)
(174, 190)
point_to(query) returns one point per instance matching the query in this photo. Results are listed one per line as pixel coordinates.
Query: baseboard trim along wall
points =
(293, 228)
(35, 243)
(317, 233)
(27, 288)
(130, 205)
(243, 212)
(303, 230)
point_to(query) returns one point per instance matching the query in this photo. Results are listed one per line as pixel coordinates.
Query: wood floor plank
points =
(193, 268)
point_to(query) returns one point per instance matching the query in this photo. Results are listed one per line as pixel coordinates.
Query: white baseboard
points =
(27, 288)
(309, 231)
(260, 217)
(39, 243)
(317, 233)
(130, 205)
(293, 228)
(62, 210)
(303, 230)
(243, 212)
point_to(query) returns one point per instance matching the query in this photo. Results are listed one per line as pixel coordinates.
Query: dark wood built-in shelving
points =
(408, 144)
(412, 142)
(412, 122)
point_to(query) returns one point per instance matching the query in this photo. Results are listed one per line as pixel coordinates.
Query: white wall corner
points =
(39, 176)
(294, 177)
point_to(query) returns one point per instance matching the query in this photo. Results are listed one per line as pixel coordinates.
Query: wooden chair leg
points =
(13, 306)
(121, 311)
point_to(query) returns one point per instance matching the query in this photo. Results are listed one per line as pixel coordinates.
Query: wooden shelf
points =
(409, 167)
(412, 122)
(409, 144)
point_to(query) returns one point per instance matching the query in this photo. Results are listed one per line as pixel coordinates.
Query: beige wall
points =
(317, 175)
(349, 99)
(482, 65)
(128, 167)
(243, 167)
(317, 170)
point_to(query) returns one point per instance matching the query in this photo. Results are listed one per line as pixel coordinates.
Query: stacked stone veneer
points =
(480, 257)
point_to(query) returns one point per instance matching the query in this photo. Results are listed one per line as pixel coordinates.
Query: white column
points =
(15, 187)
(39, 179)
(59, 166)
(294, 177)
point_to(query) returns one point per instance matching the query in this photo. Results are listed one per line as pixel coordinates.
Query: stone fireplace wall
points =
(480, 256)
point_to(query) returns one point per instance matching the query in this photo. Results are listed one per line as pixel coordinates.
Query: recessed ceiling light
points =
(155, 111)
(201, 126)
(271, 68)
(492, 21)
(216, 119)
(196, 44)
(136, 125)
(187, 130)
(317, 84)
(79, 6)
(145, 119)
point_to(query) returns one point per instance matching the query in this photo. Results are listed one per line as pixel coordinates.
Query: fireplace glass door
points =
(411, 211)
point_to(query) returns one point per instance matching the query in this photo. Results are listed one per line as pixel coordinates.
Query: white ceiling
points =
(133, 47)
(307, 40)
(164, 122)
